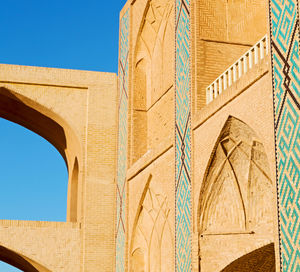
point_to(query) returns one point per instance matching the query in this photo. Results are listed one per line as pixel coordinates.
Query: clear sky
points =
(72, 34)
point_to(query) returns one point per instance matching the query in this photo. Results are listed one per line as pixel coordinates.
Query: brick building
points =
(188, 160)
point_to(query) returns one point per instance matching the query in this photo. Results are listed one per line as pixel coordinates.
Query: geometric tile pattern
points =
(122, 143)
(284, 17)
(183, 219)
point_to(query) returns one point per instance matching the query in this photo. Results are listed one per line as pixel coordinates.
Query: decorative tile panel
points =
(183, 138)
(122, 143)
(284, 19)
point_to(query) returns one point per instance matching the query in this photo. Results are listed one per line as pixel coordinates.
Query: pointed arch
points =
(151, 237)
(237, 186)
(28, 113)
(151, 60)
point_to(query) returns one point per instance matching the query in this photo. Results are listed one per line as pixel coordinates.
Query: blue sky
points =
(72, 34)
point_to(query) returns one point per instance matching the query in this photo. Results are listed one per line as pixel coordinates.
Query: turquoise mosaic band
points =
(122, 143)
(183, 200)
(284, 19)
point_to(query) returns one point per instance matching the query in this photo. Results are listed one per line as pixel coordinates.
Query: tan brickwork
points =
(76, 111)
(233, 161)
(222, 31)
(249, 100)
(55, 246)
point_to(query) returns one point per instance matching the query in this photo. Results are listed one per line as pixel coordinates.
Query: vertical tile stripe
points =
(122, 143)
(183, 219)
(284, 26)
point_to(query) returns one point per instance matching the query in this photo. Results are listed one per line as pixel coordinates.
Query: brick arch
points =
(20, 261)
(80, 107)
(151, 237)
(32, 115)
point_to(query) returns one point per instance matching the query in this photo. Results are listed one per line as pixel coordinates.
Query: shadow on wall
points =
(260, 260)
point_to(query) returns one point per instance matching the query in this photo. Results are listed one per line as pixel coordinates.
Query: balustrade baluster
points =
(262, 49)
(234, 73)
(220, 84)
(229, 77)
(225, 81)
(215, 89)
(240, 68)
(256, 53)
(245, 63)
(250, 59)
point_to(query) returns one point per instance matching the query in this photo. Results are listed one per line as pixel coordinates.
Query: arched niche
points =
(49, 125)
(153, 71)
(262, 259)
(152, 241)
(237, 190)
(20, 261)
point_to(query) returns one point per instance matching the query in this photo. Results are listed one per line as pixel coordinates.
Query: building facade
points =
(209, 136)
(188, 160)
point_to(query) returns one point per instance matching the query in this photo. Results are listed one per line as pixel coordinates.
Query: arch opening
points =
(46, 123)
(33, 176)
(14, 108)
(262, 259)
(8, 268)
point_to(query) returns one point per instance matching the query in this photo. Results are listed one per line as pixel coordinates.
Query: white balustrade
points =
(258, 52)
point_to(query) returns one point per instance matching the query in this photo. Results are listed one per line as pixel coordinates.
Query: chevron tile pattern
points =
(284, 16)
(183, 138)
(122, 143)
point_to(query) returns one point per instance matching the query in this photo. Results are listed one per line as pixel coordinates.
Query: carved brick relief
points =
(237, 190)
(152, 240)
(153, 46)
(153, 71)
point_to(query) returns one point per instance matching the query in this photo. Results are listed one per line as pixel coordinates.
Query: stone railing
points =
(240, 67)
